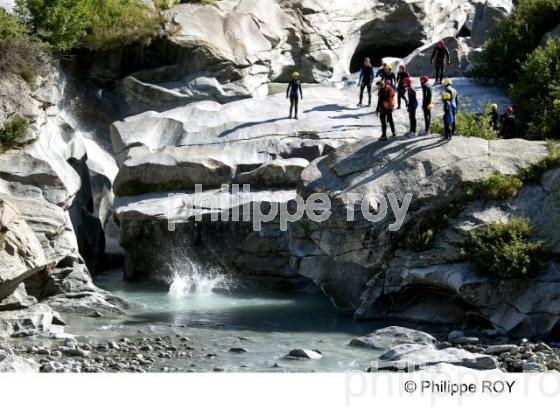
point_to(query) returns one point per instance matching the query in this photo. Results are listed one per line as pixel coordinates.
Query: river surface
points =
(215, 319)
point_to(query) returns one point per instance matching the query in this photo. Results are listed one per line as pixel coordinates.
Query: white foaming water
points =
(191, 280)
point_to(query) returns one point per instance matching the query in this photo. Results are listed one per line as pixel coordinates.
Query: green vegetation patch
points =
(13, 131)
(504, 250)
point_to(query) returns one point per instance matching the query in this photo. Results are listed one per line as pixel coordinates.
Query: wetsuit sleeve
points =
(300, 90)
(288, 90)
(433, 54)
(381, 96)
(447, 56)
(361, 76)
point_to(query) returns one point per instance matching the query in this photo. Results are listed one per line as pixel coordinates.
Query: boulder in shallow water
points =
(416, 356)
(304, 354)
(391, 336)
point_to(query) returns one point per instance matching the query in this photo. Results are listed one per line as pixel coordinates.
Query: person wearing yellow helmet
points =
(448, 84)
(294, 93)
(448, 117)
(493, 116)
(386, 73)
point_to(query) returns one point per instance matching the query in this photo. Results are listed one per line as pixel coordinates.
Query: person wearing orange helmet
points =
(426, 101)
(440, 56)
(412, 104)
(402, 75)
(385, 106)
(508, 127)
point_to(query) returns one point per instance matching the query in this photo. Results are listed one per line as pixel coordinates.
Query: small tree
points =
(536, 95)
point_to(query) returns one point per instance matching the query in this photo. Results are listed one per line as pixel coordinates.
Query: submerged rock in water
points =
(304, 354)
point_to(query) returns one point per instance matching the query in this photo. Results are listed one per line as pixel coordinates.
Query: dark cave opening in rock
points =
(377, 51)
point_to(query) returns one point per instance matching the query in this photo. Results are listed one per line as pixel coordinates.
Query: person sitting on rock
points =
(385, 107)
(412, 105)
(508, 127)
(447, 116)
(401, 88)
(365, 81)
(294, 93)
(426, 102)
(448, 84)
(441, 55)
(494, 117)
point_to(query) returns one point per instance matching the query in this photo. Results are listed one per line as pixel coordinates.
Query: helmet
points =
(430, 106)
(424, 79)
(447, 82)
(388, 66)
(494, 106)
(295, 74)
(407, 81)
(446, 96)
(388, 82)
(402, 66)
(509, 110)
(441, 43)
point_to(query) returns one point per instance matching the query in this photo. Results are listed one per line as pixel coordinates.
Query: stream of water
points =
(268, 325)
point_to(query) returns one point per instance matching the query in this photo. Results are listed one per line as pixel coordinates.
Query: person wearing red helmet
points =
(426, 101)
(402, 75)
(385, 106)
(508, 127)
(412, 105)
(440, 55)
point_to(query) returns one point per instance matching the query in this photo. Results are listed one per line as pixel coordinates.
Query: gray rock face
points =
(416, 356)
(389, 337)
(323, 42)
(418, 63)
(10, 363)
(436, 284)
(38, 319)
(486, 14)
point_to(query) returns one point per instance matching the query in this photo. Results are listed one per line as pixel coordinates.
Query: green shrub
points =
(90, 24)
(515, 37)
(536, 95)
(19, 53)
(504, 250)
(13, 132)
(534, 172)
(469, 124)
(500, 186)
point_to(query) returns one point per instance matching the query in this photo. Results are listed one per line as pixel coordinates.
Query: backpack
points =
(389, 102)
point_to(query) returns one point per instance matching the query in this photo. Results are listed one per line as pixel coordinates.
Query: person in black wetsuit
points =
(426, 101)
(294, 93)
(441, 56)
(385, 107)
(365, 81)
(402, 75)
(508, 127)
(494, 117)
(412, 104)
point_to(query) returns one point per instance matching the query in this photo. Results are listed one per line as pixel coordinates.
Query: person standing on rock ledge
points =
(366, 80)
(402, 75)
(441, 55)
(447, 116)
(508, 128)
(448, 84)
(294, 93)
(385, 107)
(412, 105)
(426, 102)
